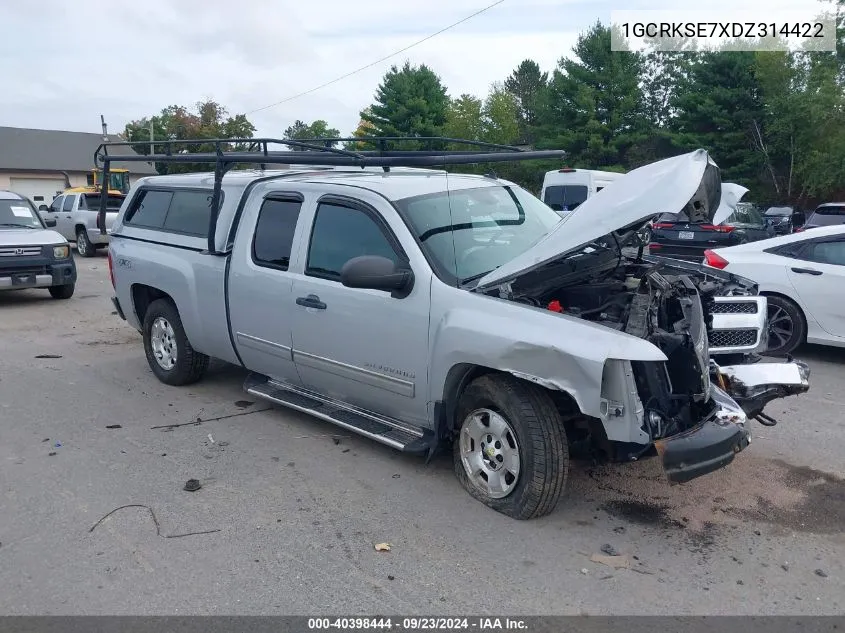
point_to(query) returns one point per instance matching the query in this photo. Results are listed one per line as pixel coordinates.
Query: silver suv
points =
(32, 255)
(426, 309)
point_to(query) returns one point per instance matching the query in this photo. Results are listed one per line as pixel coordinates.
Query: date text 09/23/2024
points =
(418, 624)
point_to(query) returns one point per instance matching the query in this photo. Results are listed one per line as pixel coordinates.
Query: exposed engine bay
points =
(672, 305)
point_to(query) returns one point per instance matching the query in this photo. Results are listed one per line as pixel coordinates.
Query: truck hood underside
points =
(689, 183)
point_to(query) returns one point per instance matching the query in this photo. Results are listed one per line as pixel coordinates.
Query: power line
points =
(378, 61)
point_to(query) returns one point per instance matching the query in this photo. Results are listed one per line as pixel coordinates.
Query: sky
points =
(63, 63)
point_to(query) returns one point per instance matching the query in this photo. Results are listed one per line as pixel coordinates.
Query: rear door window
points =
(273, 241)
(565, 197)
(832, 252)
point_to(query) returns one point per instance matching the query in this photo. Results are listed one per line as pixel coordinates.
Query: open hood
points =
(689, 183)
(731, 195)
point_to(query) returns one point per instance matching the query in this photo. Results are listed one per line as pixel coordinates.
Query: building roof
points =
(28, 149)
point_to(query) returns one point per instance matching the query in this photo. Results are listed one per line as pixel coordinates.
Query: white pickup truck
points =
(77, 219)
(426, 309)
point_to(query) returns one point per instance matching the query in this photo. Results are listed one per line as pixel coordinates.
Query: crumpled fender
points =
(553, 350)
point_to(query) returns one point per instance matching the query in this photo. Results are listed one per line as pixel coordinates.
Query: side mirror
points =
(43, 207)
(50, 223)
(377, 273)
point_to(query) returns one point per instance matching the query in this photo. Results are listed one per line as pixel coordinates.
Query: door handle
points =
(311, 301)
(806, 271)
(68, 217)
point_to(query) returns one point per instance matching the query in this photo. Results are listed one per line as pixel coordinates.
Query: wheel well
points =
(79, 226)
(143, 296)
(770, 293)
(463, 374)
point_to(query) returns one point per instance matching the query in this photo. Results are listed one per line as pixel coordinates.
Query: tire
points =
(83, 245)
(536, 428)
(787, 326)
(168, 339)
(62, 292)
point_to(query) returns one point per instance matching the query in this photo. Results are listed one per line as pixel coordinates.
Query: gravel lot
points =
(297, 511)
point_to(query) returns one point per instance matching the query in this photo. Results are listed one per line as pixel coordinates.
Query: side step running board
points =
(393, 433)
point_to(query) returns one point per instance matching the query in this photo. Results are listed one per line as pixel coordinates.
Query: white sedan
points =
(803, 275)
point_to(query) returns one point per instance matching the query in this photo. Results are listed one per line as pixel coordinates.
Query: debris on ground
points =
(585, 571)
(243, 404)
(58, 444)
(382, 547)
(155, 520)
(46, 439)
(620, 529)
(389, 577)
(617, 562)
(397, 476)
(608, 549)
(49, 356)
(210, 438)
(53, 454)
(785, 567)
(821, 573)
(114, 426)
(192, 485)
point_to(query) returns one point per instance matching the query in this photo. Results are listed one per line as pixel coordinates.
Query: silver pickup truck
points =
(427, 309)
(76, 217)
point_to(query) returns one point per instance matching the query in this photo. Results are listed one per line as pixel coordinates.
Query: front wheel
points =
(169, 353)
(62, 292)
(787, 326)
(83, 245)
(511, 452)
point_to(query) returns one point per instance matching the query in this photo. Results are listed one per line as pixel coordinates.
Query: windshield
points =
(14, 213)
(468, 232)
(779, 211)
(565, 197)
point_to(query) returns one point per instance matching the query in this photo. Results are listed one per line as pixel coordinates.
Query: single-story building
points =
(40, 164)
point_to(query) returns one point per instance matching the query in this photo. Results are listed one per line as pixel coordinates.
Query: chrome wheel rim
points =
(81, 248)
(163, 342)
(490, 453)
(781, 327)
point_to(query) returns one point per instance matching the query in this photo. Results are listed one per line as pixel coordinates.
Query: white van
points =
(564, 189)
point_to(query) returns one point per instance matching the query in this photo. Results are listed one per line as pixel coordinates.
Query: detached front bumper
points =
(743, 393)
(711, 445)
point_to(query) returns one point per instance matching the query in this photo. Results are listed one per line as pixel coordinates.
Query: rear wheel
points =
(62, 292)
(787, 326)
(511, 452)
(83, 245)
(169, 353)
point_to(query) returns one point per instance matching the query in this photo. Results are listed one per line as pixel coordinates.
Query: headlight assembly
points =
(61, 252)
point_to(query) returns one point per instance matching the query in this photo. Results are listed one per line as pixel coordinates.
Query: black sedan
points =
(674, 236)
(781, 219)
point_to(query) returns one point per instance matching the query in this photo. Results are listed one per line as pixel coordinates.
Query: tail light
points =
(111, 270)
(722, 228)
(714, 260)
(655, 247)
(662, 225)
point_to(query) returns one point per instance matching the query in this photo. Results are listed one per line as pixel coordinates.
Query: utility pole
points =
(152, 145)
(105, 129)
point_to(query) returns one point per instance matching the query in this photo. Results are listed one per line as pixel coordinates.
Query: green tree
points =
(318, 129)
(593, 107)
(463, 118)
(410, 101)
(718, 104)
(209, 120)
(500, 116)
(528, 85)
